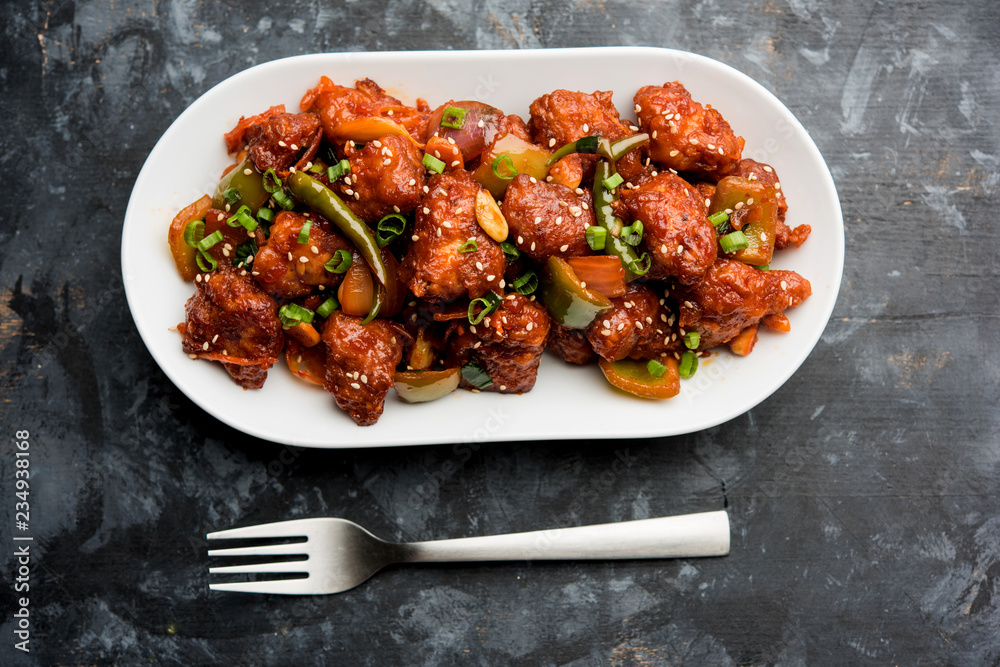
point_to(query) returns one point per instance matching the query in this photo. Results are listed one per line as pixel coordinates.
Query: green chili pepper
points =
(569, 303)
(581, 145)
(250, 187)
(617, 150)
(324, 201)
(613, 245)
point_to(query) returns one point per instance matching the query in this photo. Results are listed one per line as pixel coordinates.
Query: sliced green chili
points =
(581, 145)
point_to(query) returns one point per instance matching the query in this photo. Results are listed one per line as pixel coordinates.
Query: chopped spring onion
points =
(764, 267)
(316, 167)
(691, 340)
(486, 306)
(232, 196)
(597, 237)
(194, 232)
(244, 218)
(689, 364)
(510, 251)
(265, 215)
(335, 171)
(340, 262)
(526, 284)
(641, 265)
(613, 181)
(469, 246)
(474, 374)
(432, 163)
(390, 228)
(292, 314)
(304, 232)
(283, 200)
(327, 307)
(205, 262)
(655, 368)
(275, 183)
(505, 163)
(453, 117)
(209, 241)
(245, 253)
(734, 241)
(718, 218)
(632, 234)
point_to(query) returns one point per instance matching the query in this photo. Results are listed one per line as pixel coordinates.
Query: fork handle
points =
(688, 535)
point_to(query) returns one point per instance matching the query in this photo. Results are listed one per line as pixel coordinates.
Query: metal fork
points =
(341, 554)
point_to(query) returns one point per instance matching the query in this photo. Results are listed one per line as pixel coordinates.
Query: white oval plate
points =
(567, 401)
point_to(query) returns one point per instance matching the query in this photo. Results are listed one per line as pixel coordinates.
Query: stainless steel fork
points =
(341, 554)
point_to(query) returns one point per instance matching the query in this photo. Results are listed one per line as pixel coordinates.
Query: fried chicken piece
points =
(733, 296)
(785, 236)
(276, 142)
(680, 239)
(336, 104)
(684, 135)
(278, 266)
(386, 177)
(508, 344)
(547, 219)
(434, 267)
(571, 345)
(361, 361)
(231, 320)
(636, 327)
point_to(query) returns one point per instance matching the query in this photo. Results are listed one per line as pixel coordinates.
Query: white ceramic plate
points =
(568, 401)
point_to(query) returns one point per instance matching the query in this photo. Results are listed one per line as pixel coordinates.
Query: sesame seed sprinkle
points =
(355, 385)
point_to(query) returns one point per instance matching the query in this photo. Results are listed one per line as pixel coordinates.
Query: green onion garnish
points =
(764, 267)
(316, 167)
(487, 303)
(194, 232)
(453, 117)
(205, 262)
(242, 217)
(275, 183)
(641, 265)
(718, 218)
(265, 215)
(734, 241)
(333, 172)
(689, 364)
(340, 262)
(432, 163)
(292, 314)
(390, 228)
(469, 246)
(327, 307)
(613, 181)
(209, 240)
(632, 235)
(504, 161)
(526, 284)
(232, 196)
(283, 200)
(655, 368)
(510, 251)
(304, 232)
(596, 237)
(245, 253)
(691, 340)
(474, 374)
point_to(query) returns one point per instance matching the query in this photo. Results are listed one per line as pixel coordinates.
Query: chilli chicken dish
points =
(375, 245)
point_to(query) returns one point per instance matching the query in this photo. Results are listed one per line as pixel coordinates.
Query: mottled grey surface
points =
(863, 494)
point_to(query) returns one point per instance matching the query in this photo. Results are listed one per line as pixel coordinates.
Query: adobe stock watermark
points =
(461, 453)
(595, 491)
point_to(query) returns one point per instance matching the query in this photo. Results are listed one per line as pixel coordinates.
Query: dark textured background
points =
(863, 494)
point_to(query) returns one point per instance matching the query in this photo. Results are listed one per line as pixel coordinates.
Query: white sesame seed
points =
(503, 387)
(564, 247)
(621, 325)
(480, 123)
(586, 128)
(414, 238)
(349, 192)
(413, 181)
(605, 332)
(768, 169)
(739, 205)
(532, 179)
(447, 224)
(750, 201)
(558, 219)
(674, 153)
(654, 134)
(694, 141)
(427, 189)
(640, 325)
(638, 108)
(680, 250)
(578, 191)
(439, 232)
(205, 346)
(291, 258)
(503, 283)
(688, 304)
(711, 147)
(386, 162)
(476, 346)
(479, 265)
(364, 378)
(282, 144)
(777, 185)
(538, 219)
(552, 142)
(784, 285)
(531, 325)
(355, 385)
(520, 239)
(721, 152)
(377, 144)
(247, 171)
(491, 277)
(197, 278)
(708, 202)
(304, 259)
(532, 245)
